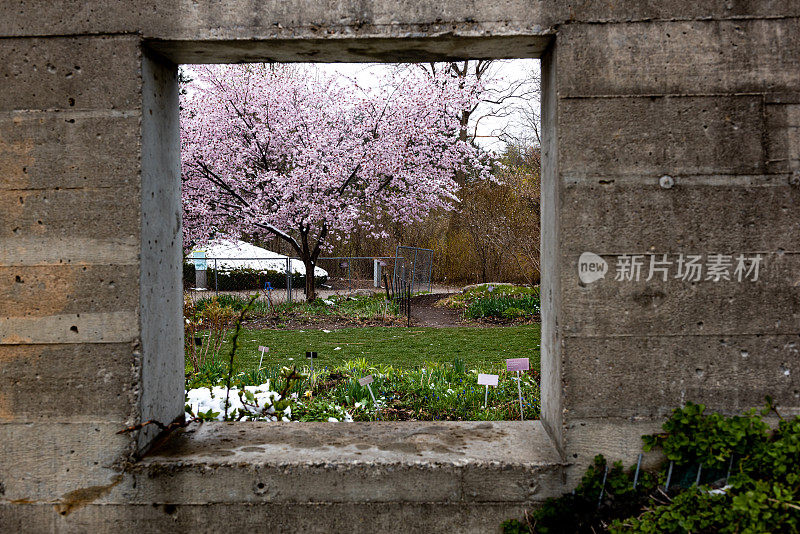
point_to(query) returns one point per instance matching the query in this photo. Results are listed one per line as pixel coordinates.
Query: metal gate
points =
(413, 265)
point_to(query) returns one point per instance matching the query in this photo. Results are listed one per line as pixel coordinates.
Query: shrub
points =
(513, 313)
(205, 328)
(188, 275)
(246, 279)
(504, 307)
(749, 482)
(498, 301)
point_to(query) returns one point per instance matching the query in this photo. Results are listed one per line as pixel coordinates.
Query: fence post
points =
(216, 280)
(410, 289)
(413, 269)
(430, 272)
(376, 273)
(288, 280)
(396, 255)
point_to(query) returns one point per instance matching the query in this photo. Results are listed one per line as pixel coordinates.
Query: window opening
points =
(410, 191)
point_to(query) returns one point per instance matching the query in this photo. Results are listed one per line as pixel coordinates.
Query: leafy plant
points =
(600, 498)
(498, 301)
(358, 307)
(693, 437)
(205, 330)
(762, 493)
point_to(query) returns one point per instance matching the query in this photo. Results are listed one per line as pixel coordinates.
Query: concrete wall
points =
(70, 235)
(707, 93)
(711, 104)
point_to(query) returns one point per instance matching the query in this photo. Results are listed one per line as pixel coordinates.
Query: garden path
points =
(425, 313)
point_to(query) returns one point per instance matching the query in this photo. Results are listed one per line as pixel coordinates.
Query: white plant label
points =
(487, 380)
(366, 380)
(263, 350)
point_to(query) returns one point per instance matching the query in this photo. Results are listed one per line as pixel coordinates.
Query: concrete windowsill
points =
(448, 462)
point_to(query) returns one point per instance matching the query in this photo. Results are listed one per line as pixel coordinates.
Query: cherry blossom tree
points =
(302, 156)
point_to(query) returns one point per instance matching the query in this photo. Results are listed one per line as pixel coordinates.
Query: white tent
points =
(238, 254)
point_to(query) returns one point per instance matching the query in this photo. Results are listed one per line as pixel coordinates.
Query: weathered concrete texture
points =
(62, 213)
(644, 137)
(214, 20)
(446, 442)
(70, 234)
(699, 57)
(47, 461)
(323, 518)
(598, 11)
(668, 371)
(684, 308)
(783, 134)
(161, 256)
(103, 327)
(470, 462)
(478, 473)
(95, 73)
(84, 148)
(550, 288)
(616, 215)
(74, 289)
(53, 383)
(705, 92)
(340, 49)
(22, 250)
(712, 106)
(250, 20)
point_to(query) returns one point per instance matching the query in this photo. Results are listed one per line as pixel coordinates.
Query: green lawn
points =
(484, 349)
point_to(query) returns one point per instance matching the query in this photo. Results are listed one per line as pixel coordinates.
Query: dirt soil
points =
(318, 323)
(424, 312)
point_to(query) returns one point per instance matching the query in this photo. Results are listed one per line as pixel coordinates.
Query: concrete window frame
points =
(468, 452)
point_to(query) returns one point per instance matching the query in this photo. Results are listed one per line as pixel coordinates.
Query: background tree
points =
(311, 160)
(494, 233)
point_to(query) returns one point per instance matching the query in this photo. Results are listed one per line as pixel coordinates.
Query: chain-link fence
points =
(356, 274)
(282, 279)
(414, 266)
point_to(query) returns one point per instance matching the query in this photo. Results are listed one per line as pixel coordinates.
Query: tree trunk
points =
(311, 292)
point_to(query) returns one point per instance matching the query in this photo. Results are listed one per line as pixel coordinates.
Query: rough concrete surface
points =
(707, 93)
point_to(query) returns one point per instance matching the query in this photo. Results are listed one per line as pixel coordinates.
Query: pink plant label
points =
(263, 349)
(517, 364)
(487, 380)
(366, 380)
